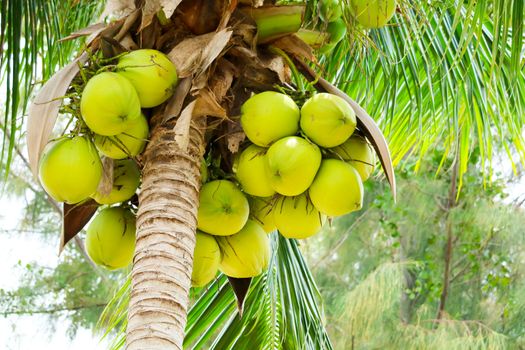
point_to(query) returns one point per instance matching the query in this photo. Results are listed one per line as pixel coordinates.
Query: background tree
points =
(392, 261)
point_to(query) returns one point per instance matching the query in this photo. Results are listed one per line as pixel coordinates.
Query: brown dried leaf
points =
(228, 8)
(182, 127)
(254, 3)
(174, 105)
(128, 44)
(258, 79)
(277, 65)
(110, 47)
(207, 105)
(240, 288)
(259, 72)
(106, 182)
(127, 24)
(43, 111)
(92, 29)
(169, 6)
(118, 8)
(364, 122)
(294, 46)
(246, 32)
(194, 55)
(75, 217)
(199, 82)
(151, 7)
(202, 16)
(244, 53)
(214, 48)
(150, 34)
(235, 140)
(117, 39)
(99, 40)
(149, 10)
(221, 80)
(186, 55)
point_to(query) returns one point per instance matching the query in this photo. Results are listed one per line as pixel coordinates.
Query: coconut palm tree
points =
(447, 72)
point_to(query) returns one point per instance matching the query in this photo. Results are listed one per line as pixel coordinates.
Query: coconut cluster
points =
(330, 12)
(243, 247)
(113, 126)
(332, 28)
(300, 166)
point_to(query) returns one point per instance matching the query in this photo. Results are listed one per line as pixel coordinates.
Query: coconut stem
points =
(314, 38)
(276, 21)
(297, 76)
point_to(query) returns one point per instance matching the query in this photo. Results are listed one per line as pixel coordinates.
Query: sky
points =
(21, 332)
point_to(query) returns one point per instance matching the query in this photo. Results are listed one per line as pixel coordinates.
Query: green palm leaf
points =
(446, 73)
(282, 310)
(30, 31)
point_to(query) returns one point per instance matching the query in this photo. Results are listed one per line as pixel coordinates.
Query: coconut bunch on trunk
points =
(197, 128)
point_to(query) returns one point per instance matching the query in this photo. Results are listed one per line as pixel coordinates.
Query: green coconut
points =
(359, 153)
(206, 259)
(110, 238)
(373, 13)
(261, 211)
(246, 253)
(268, 117)
(109, 104)
(129, 143)
(337, 188)
(327, 119)
(249, 169)
(296, 217)
(126, 180)
(223, 208)
(151, 73)
(70, 169)
(291, 165)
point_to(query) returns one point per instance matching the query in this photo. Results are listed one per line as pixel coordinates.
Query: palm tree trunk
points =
(166, 224)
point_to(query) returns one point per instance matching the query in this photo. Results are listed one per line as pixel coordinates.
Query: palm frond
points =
(114, 317)
(443, 73)
(215, 306)
(29, 43)
(282, 310)
(450, 334)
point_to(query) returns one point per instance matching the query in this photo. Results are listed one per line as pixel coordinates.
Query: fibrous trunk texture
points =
(166, 224)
